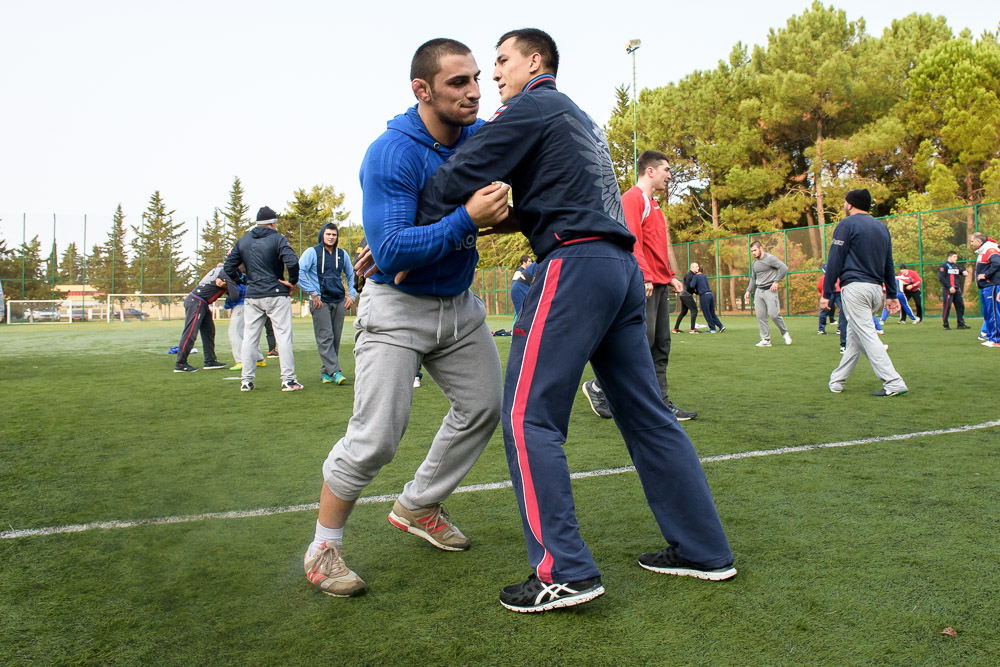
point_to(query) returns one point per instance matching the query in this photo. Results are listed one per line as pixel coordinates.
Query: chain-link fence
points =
(920, 241)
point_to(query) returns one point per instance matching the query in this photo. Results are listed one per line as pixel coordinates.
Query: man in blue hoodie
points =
(322, 269)
(431, 317)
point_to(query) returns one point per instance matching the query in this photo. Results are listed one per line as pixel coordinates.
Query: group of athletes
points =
(433, 182)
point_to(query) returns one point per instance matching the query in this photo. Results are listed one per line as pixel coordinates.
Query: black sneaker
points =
(821, 332)
(246, 386)
(669, 562)
(946, 328)
(884, 392)
(214, 365)
(272, 354)
(184, 368)
(534, 595)
(962, 326)
(598, 403)
(681, 414)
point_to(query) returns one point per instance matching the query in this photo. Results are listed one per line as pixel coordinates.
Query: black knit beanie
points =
(860, 199)
(265, 216)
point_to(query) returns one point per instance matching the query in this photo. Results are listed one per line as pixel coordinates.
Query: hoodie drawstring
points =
(441, 319)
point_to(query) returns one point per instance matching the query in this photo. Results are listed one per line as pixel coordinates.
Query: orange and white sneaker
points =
(431, 523)
(326, 570)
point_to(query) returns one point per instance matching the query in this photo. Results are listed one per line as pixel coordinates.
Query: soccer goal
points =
(141, 307)
(48, 311)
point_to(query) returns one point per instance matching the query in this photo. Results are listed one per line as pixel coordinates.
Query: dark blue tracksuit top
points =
(525, 143)
(861, 252)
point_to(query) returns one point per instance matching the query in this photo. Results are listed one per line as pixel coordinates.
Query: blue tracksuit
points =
(988, 266)
(700, 285)
(587, 303)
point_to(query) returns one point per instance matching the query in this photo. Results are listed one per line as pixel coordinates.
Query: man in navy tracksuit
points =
(700, 285)
(988, 281)
(197, 318)
(567, 203)
(951, 276)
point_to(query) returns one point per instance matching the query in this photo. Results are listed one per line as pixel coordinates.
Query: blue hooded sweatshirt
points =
(322, 273)
(441, 257)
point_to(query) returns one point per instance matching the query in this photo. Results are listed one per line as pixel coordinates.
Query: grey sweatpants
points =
(861, 301)
(255, 313)
(328, 324)
(767, 304)
(236, 334)
(396, 332)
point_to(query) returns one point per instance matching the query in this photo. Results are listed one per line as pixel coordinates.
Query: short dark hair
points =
(757, 243)
(533, 40)
(649, 159)
(952, 252)
(426, 61)
(902, 267)
(525, 258)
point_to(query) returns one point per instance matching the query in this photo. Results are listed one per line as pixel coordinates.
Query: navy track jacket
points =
(265, 254)
(557, 162)
(861, 252)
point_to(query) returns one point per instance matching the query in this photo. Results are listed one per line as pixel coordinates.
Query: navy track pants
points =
(587, 303)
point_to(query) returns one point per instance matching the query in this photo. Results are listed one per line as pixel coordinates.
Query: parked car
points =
(41, 314)
(79, 315)
(129, 314)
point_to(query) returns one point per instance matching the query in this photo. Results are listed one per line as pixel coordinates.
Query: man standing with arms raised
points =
(266, 255)
(587, 303)
(430, 317)
(645, 221)
(861, 258)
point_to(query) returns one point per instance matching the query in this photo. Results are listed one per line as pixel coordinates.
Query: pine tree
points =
(310, 210)
(236, 214)
(70, 266)
(109, 268)
(215, 244)
(158, 263)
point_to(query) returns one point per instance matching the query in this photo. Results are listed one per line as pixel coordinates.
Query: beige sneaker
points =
(326, 570)
(431, 523)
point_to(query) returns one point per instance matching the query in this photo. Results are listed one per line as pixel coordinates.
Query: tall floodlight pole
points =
(631, 47)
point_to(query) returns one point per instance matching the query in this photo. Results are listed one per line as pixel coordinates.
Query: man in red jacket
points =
(645, 221)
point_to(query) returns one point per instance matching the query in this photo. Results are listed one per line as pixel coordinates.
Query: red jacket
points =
(913, 278)
(819, 284)
(650, 236)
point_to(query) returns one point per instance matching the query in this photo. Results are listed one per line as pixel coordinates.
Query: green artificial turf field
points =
(860, 554)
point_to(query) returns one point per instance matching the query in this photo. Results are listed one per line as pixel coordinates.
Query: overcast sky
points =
(103, 102)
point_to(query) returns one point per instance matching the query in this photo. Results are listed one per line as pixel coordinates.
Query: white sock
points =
(324, 534)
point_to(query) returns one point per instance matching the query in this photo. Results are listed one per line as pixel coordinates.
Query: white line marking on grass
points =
(268, 511)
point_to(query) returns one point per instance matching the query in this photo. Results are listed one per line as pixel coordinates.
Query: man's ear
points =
(535, 64)
(421, 89)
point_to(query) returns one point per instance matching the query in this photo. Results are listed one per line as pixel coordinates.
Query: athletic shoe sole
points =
(180, 370)
(568, 601)
(590, 400)
(407, 527)
(708, 575)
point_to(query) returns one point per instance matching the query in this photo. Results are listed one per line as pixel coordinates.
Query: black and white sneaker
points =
(535, 595)
(184, 368)
(681, 414)
(246, 386)
(272, 354)
(214, 365)
(598, 403)
(291, 385)
(668, 561)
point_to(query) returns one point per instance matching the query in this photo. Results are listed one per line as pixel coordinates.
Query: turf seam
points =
(472, 488)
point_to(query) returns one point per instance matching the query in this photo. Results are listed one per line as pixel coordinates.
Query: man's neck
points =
(442, 132)
(646, 186)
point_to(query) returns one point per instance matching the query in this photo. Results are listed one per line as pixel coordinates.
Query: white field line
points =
(267, 511)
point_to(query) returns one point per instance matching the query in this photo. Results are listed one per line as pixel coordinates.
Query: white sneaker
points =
(763, 343)
(416, 382)
(787, 337)
(916, 320)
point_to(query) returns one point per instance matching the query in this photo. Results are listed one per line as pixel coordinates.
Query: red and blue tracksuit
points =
(587, 303)
(197, 317)
(988, 266)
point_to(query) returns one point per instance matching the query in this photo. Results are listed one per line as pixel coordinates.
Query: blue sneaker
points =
(326, 379)
(339, 378)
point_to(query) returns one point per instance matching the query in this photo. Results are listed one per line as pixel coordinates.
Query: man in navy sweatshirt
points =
(431, 317)
(323, 269)
(861, 258)
(587, 303)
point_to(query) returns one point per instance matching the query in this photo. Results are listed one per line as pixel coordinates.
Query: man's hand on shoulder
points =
(488, 206)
